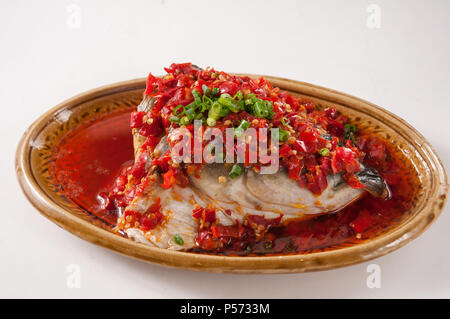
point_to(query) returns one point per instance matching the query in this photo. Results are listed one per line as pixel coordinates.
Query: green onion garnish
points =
(193, 105)
(236, 171)
(224, 111)
(196, 94)
(240, 129)
(283, 135)
(238, 96)
(214, 111)
(227, 101)
(199, 116)
(215, 91)
(349, 128)
(178, 240)
(324, 152)
(210, 121)
(259, 109)
(184, 120)
(190, 114)
(175, 110)
(244, 124)
(219, 106)
(284, 121)
(206, 100)
(269, 110)
(206, 89)
(350, 131)
(174, 119)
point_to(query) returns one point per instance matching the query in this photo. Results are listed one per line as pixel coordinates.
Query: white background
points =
(403, 66)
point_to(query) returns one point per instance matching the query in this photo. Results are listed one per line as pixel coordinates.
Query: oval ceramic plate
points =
(34, 157)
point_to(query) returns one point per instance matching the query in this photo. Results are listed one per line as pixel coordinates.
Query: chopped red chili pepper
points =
(169, 179)
(136, 119)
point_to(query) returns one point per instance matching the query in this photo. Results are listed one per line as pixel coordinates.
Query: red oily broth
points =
(91, 156)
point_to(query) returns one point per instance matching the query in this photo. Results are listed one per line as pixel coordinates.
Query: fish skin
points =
(176, 208)
(177, 204)
(269, 195)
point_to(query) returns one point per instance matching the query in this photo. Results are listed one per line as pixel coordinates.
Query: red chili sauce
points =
(90, 157)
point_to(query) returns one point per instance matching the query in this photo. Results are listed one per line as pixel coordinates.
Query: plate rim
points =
(365, 251)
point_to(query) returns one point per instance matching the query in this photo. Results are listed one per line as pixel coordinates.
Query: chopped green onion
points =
(210, 121)
(224, 111)
(284, 121)
(283, 135)
(244, 124)
(227, 101)
(193, 105)
(199, 116)
(196, 94)
(225, 96)
(350, 131)
(238, 132)
(215, 91)
(206, 100)
(234, 107)
(240, 129)
(215, 111)
(175, 110)
(349, 128)
(219, 106)
(184, 120)
(238, 95)
(206, 89)
(260, 109)
(178, 240)
(174, 119)
(324, 152)
(269, 108)
(236, 171)
(190, 114)
(205, 106)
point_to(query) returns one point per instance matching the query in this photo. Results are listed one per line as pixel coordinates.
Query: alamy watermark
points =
(374, 279)
(73, 279)
(374, 17)
(73, 20)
